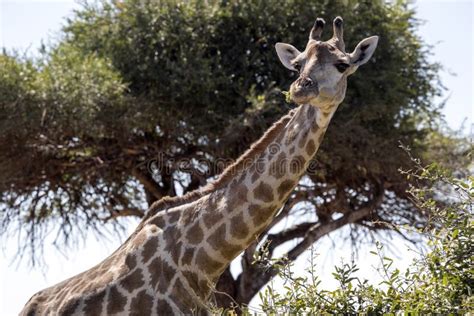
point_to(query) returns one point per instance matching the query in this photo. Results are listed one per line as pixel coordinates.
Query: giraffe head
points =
(323, 67)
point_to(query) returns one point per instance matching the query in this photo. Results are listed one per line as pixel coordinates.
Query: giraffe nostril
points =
(305, 82)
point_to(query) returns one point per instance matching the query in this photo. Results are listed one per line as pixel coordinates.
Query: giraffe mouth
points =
(303, 94)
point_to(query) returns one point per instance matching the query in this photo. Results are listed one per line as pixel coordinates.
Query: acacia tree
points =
(143, 99)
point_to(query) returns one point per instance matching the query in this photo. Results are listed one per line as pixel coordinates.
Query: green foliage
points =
(66, 92)
(78, 89)
(439, 282)
(17, 91)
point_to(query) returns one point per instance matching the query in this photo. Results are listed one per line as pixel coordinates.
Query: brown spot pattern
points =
(158, 221)
(187, 256)
(141, 304)
(216, 238)
(150, 248)
(180, 295)
(195, 234)
(242, 192)
(206, 263)
(131, 261)
(218, 242)
(163, 308)
(173, 217)
(132, 281)
(116, 301)
(238, 228)
(69, 307)
(263, 192)
(154, 268)
(161, 274)
(297, 164)
(175, 250)
(310, 147)
(210, 217)
(204, 288)
(284, 188)
(230, 251)
(93, 304)
(192, 279)
(167, 273)
(188, 216)
(279, 166)
(33, 309)
(171, 234)
(260, 214)
(238, 197)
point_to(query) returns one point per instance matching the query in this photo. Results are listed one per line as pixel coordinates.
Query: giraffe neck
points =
(172, 261)
(272, 176)
(235, 215)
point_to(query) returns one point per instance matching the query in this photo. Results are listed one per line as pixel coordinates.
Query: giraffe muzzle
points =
(303, 90)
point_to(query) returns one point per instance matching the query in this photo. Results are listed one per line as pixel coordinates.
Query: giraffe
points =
(172, 261)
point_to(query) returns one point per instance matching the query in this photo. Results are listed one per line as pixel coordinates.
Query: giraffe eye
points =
(342, 67)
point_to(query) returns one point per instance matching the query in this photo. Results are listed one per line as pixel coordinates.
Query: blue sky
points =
(25, 23)
(454, 50)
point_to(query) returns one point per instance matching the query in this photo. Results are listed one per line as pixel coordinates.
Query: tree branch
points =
(255, 276)
(148, 183)
(125, 212)
(317, 232)
(276, 240)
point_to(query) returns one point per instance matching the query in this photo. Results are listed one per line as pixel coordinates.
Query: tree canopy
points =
(142, 99)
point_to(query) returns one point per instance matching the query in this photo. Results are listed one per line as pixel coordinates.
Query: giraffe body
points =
(172, 261)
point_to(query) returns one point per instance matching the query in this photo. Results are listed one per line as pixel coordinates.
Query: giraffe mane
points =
(225, 177)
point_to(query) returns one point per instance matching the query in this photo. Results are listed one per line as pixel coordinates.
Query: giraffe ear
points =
(364, 51)
(287, 53)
